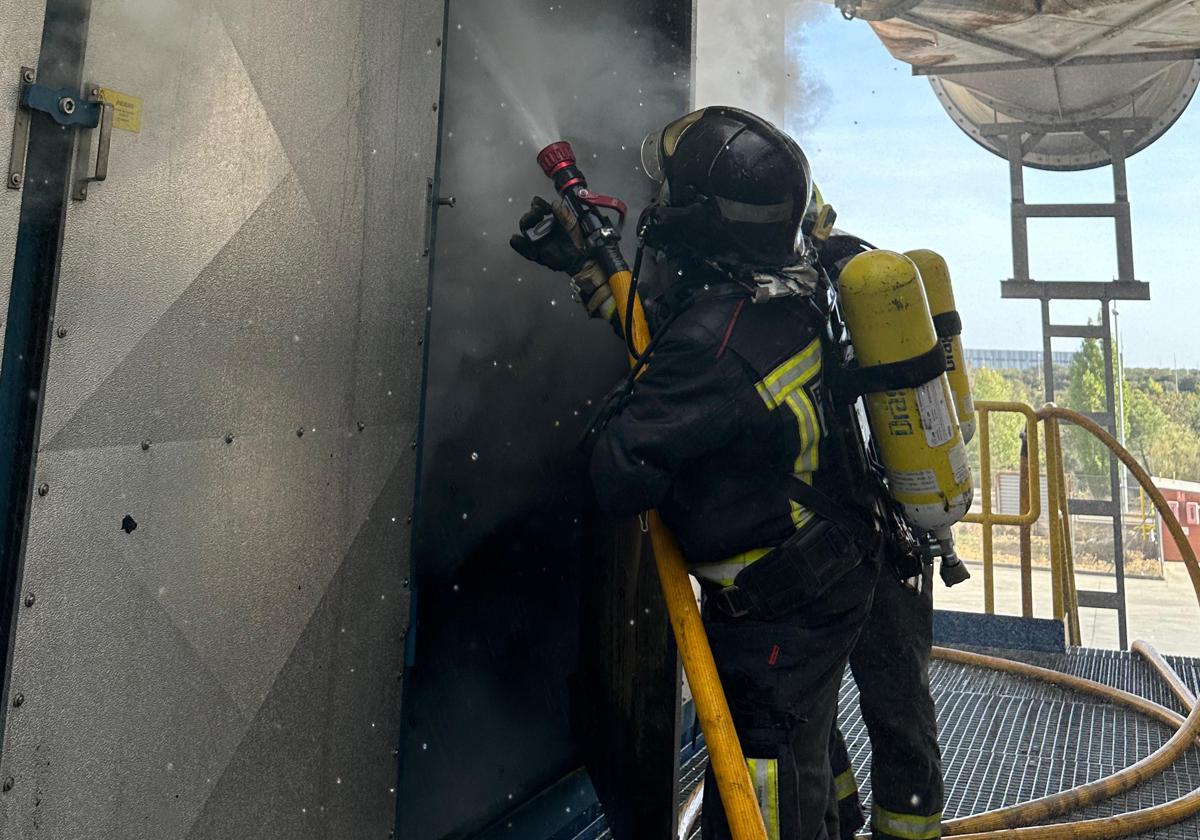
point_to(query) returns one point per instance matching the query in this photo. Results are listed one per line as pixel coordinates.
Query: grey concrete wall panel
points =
(243, 301)
(515, 370)
(20, 45)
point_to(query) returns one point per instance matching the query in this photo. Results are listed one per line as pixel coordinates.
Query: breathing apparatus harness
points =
(864, 514)
(741, 282)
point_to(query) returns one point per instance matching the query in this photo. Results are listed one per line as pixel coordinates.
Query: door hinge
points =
(20, 139)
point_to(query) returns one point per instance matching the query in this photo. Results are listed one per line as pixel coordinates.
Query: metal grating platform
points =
(1007, 739)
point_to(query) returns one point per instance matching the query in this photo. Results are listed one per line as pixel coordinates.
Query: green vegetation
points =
(1162, 417)
(1162, 430)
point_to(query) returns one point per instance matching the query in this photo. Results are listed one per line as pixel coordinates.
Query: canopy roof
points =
(1049, 63)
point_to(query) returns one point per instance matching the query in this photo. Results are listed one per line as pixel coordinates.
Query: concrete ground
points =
(1162, 612)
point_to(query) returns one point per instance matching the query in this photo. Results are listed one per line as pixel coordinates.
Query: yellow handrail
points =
(1014, 822)
(1026, 517)
(1062, 562)
(987, 517)
(1064, 596)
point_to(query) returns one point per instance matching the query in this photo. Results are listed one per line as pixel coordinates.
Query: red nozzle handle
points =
(606, 201)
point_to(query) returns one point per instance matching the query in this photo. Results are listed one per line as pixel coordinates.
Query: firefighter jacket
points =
(729, 407)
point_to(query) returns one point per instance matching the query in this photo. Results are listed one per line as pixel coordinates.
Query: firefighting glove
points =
(550, 236)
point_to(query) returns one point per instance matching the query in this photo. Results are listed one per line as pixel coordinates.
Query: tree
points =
(1084, 455)
(1004, 429)
(1145, 424)
(1162, 425)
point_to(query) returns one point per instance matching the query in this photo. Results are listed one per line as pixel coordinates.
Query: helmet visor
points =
(659, 146)
(651, 156)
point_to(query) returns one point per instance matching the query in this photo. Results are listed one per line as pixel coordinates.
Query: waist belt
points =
(808, 562)
(795, 573)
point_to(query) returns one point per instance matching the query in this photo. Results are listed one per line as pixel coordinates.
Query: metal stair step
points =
(1070, 211)
(1092, 507)
(1030, 289)
(1076, 331)
(1099, 600)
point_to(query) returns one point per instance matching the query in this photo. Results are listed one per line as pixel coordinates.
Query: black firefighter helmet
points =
(734, 189)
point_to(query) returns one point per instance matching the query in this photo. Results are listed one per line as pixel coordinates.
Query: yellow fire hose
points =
(1182, 693)
(725, 751)
(1005, 819)
(1104, 828)
(1004, 822)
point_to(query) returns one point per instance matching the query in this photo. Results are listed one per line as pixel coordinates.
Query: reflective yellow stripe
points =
(772, 814)
(810, 431)
(785, 386)
(845, 785)
(790, 375)
(764, 772)
(906, 826)
(801, 516)
(725, 571)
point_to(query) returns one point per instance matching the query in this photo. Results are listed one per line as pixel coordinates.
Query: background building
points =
(1014, 359)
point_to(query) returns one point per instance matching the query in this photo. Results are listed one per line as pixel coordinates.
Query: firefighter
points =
(729, 433)
(890, 666)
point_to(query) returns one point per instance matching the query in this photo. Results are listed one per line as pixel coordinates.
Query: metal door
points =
(211, 611)
(523, 663)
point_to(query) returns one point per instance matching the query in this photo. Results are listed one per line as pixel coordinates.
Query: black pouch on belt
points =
(801, 569)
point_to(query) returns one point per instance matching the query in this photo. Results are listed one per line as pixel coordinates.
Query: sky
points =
(902, 176)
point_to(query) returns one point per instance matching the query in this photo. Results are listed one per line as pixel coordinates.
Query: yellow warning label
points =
(127, 110)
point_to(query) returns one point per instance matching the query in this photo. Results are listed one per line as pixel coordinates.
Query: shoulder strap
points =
(909, 373)
(852, 517)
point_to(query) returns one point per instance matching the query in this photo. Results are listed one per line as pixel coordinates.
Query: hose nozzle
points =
(558, 162)
(556, 156)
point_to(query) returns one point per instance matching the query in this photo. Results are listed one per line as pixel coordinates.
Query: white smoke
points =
(749, 54)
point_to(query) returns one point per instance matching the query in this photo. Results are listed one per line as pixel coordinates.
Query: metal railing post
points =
(1031, 498)
(1054, 481)
(985, 490)
(1026, 532)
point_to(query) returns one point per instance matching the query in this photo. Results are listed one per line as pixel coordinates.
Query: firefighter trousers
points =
(781, 678)
(890, 665)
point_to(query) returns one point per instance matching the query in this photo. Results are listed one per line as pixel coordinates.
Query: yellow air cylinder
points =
(915, 429)
(935, 274)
